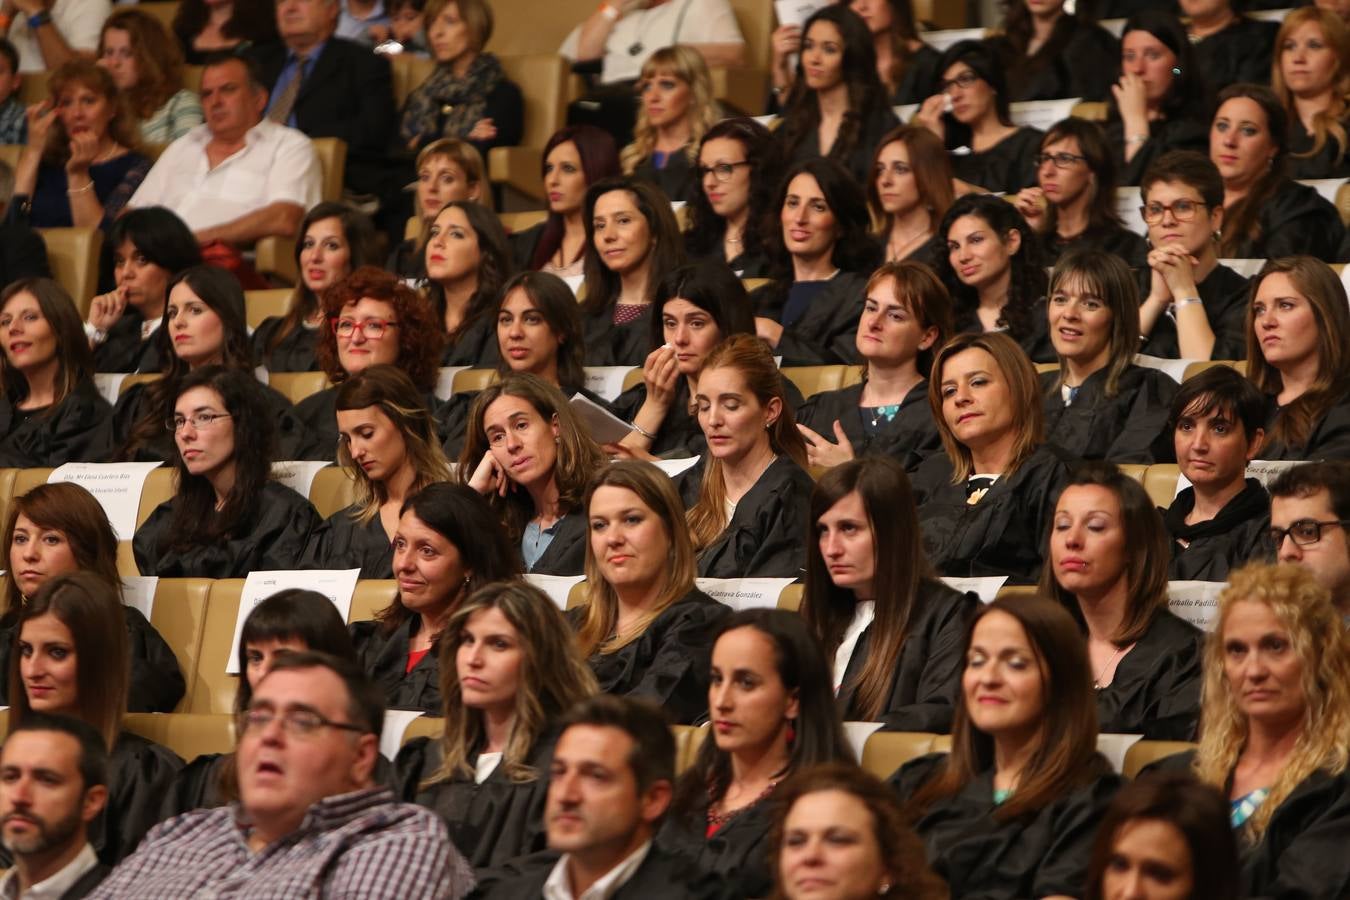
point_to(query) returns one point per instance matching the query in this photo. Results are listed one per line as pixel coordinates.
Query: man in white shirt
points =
(236, 178)
(53, 783)
(623, 33)
(609, 785)
(47, 34)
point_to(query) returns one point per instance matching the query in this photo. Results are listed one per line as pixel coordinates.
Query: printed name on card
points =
(1263, 470)
(337, 585)
(606, 381)
(744, 593)
(1195, 601)
(116, 486)
(139, 591)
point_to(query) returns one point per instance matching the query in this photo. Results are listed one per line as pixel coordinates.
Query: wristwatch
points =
(38, 19)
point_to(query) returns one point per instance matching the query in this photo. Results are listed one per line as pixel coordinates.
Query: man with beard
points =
(53, 782)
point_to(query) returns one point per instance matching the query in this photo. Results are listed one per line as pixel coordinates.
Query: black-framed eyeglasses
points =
(296, 722)
(1061, 160)
(1181, 210)
(197, 420)
(963, 81)
(721, 171)
(1304, 532)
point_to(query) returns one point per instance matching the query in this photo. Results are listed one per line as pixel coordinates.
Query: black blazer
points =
(125, 351)
(825, 333)
(1224, 297)
(1233, 537)
(385, 659)
(342, 542)
(566, 553)
(663, 875)
(78, 429)
(1156, 688)
(1068, 64)
(293, 353)
(737, 854)
(677, 178)
(909, 437)
(1006, 167)
(1123, 428)
(1239, 52)
(1296, 220)
(22, 252)
(766, 537)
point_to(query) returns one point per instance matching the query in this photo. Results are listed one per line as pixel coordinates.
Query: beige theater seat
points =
(179, 615)
(332, 490)
(137, 378)
(886, 751)
(688, 739)
(1161, 483)
(812, 380)
(296, 386)
(424, 726)
(371, 596)
(1145, 753)
(474, 379)
(542, 78)
(210, 690)
(188, 735)
(791, 598)
(73, 255)
(261, 305)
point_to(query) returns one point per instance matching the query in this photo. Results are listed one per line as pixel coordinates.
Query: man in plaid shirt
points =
(310, 822)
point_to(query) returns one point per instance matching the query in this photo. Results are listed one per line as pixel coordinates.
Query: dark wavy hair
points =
(1242, 220)
(703, 236)
(599, 160)
(855, 249)
(602, 284)
(1100, 159)
(1028, 282)
(195, 519)
(494, 265)
(420, 334)
(72, 347)
(1189, 95)
(553, 300)
(713, 288)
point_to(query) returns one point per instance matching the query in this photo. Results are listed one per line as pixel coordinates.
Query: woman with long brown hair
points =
(466, 262)
(909, 192)
(1311, 78)
(147, 66)
(1012, 810)
(645, 628)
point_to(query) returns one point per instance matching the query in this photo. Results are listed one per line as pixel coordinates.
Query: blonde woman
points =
(509, 669)
(645, 628)
(1275, 731)
(675, 109)
(1311, 78)
(387, 445)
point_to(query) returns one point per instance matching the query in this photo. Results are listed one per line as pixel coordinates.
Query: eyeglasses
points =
(373, 329)
(1304, 532)
(1182, 211)
(198, 421)
(963, 81)
(722, 171)
(296, 722)
(1061, 160)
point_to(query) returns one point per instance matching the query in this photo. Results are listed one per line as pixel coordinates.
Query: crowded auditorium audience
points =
(733, 451)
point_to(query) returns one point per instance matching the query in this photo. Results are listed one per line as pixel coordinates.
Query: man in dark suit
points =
(53, 783)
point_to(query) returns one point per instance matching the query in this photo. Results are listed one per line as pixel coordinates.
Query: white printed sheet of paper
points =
(396, 722)
(1174, 368)
(986, 587)
(298, 474)
(674, 467)
(335, 584)
(858, 733)
(558, 587)
(445, 381)
(139, 591)
(603, 426)
(116, 487)
(744, 593)
(795, 12)
(606, 381)
(1195, 601)
(1263, 470)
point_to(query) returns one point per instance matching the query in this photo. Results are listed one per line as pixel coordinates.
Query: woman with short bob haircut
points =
(726, 211)
(1298, 355)
(1275, 730)
(59, 528)
(670, 126)
(769, 677)
(909, 192)
(892, 630)
(1108, 567)
(1165, 830)
(448, 545)
(467, 260)
(529, 455)
(70, 638)
(1100, 405)
(632, 242)
(389, 449)
(645, 628)
(228, 515)
(486, 775)
(997, 480)
(1024, 783)
(51, 413)
(893, 863)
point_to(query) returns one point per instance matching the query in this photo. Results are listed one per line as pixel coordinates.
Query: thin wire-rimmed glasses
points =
(197, 420)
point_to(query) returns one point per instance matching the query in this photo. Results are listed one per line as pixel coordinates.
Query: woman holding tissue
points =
(529, 454)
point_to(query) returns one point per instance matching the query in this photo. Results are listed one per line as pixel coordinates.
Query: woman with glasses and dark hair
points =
(1073, 205)
(726, 213)
(998, 154)
(467, 261)
(574, 158)
(228, 516)
(1050, 53)
(1161, 101)
(910, 192)
(149, 247)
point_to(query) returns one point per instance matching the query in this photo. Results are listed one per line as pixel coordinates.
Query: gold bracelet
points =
(84, 190)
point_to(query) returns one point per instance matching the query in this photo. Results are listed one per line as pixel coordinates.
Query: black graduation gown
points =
(123, 350)
(1240, 52)
(859, 160)
(140, 772)
(927, 674)
(825, 333)
(679, 434)
(1223, 294)
(1163, 135)
(317, 414)
(766, 537)
(490, 822)
(274, 537)
(669, 663)
(737, 854)
(475, 346)
(1230, 539)
(1156, 688)
(566, 553)
(1296, 220)
(676, 179)
(1004, 533)
(663, 875)
(920, 78)
(78, 429)
(1069, 64)
(1116, 239)
(523, 244)
(1035, 342)
(453, 417)
(608, 344)
(156, 681)
(293, 353)
(343, 542)
(746, 264)
(1329, 439)
(1323, 164)
(909, 437)
(385, 659)
(1036, 855)
(1006, 167)
(1121, 429)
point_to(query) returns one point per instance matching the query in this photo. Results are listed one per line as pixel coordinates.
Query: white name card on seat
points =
(574, 282)
(139, 591)
(1195, 601)
(606, 381)
(1244, 267)
(744, 593)
(1327, 187)
(558, 587)
(905, 111)
(1115, 746)
(1127, 207)
(1263, 470)
(116, 487)
(335, 584)
(1175, 368)
(985, 587)
(674, 467)
(298, 474)
(445, 381)
(941, 40)
(1041, 114)
(396, 722)
(766, 121)
(795, 12)
(109, 384)
(1115, 26)
(858, 733)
